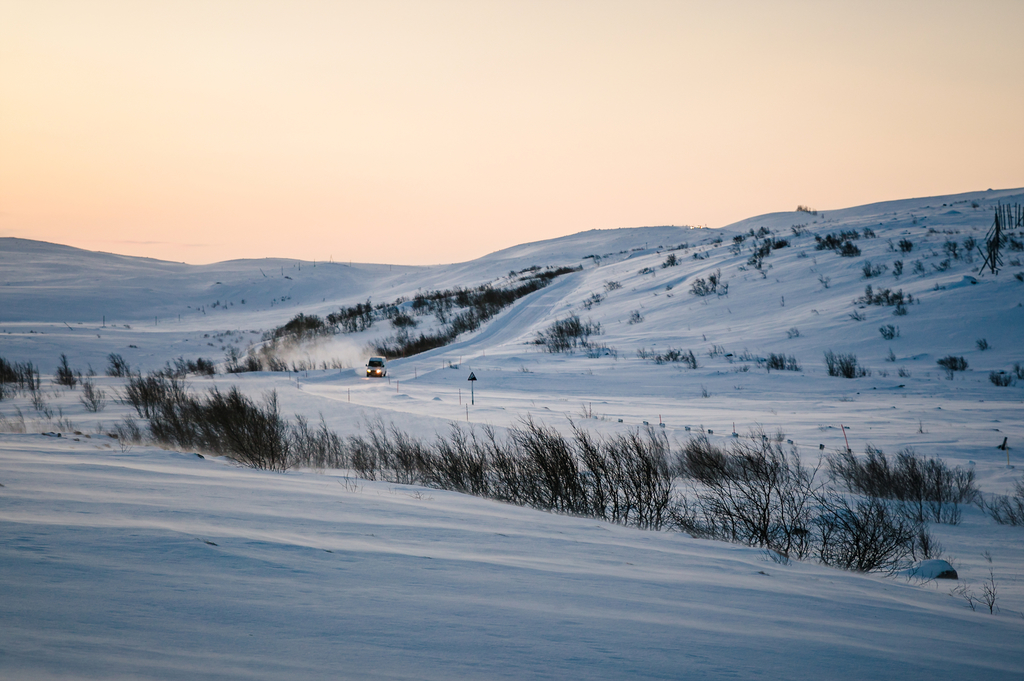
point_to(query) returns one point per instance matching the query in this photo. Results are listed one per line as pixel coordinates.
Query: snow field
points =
(106, 569)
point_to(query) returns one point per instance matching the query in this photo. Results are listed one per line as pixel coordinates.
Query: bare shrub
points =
(318, 448)
(147, 394)
(1007, 509)
(18, 377)
(989, 592)
(94, 399)
(128, 431)
(952, 249)
(65, 375)
(982, 344)
(225, 423)
(567, 334)
(705, 287)
(402, 321)
(952, 364)
(181, 367)
(668, 356)
(117, 366)
(221, 423)
(458, 463)
(885, 297)
(927, 489)
(867, 536)
(844, 365)
(781, 362)
(701, 460)
(872, 271)
(889, 331)
(624, 479)
(754, 495)
(1000, 378)
(13, 425)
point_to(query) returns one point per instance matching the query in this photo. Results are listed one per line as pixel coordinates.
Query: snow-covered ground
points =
(155, 564)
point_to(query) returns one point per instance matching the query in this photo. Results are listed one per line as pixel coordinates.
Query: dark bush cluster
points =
(301, 327)
(841, 243)
(65, 375)
(781, 362)
(927, 489)
(623, 479)
(952, 364)
(885, 297)
(713, 284)
(889, 332)
(18, 377)
(592, 300)
(317, 447)
(870, 270)
(117, 366)
(866, 535)
(755, 494)
(225, 423)
(403, 321)
(1002, 379)
(1007, 509)
(93, 399)
(146, 395)
(764, 249)
(221, 423)
(668, 356)
(358, 317)
(181, 367)
(567, 334)
(952, 249)
(844, 366)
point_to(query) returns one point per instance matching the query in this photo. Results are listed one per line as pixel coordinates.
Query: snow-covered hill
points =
(318, 575)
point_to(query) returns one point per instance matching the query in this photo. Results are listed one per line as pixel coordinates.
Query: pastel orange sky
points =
(426, 132)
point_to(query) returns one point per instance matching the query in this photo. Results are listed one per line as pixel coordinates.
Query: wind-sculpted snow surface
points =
(128, 561)
(159, 565)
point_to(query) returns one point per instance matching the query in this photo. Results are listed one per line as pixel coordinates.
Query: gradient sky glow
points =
(437, 131)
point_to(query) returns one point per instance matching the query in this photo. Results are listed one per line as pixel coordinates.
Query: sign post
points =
(472, 395)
